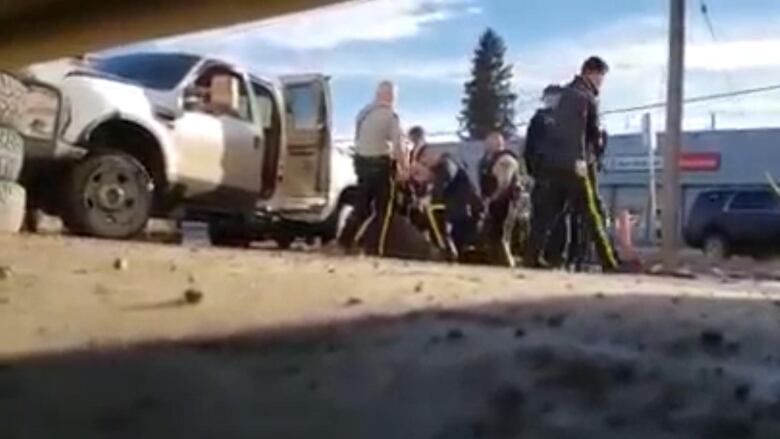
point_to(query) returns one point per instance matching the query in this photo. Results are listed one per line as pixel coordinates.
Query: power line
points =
(697, 99)
(645, 107)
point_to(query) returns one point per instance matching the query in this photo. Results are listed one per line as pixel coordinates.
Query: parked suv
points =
(726, 222)
(171, 134)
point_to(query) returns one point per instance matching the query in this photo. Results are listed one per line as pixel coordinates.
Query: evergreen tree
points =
(489, 102)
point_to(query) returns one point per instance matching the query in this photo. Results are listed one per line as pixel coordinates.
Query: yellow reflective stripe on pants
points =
(386, 219)
(434, 226)
(602, 239)
(363, 228)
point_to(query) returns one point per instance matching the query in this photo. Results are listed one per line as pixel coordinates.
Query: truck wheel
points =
(12, 92)
(13, 200)
(11, 154)
(109, 195)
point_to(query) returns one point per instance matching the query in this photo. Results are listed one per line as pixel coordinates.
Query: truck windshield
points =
(154, 71)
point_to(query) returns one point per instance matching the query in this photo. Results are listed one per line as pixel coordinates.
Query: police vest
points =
(488, 183)
(454, 189)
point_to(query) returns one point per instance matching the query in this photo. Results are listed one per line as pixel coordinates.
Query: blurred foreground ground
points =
(97, 340)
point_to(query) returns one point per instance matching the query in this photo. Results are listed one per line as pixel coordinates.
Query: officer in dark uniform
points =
(453, 208)
(504, 193)
(380, 159)
(564, 162)
(580, 242)
(553, 246)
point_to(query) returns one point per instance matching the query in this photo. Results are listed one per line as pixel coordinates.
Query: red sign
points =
(699, 161)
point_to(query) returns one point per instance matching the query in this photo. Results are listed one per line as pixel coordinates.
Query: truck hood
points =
(118, 91)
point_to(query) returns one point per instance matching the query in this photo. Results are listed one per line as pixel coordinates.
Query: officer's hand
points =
(581, 168)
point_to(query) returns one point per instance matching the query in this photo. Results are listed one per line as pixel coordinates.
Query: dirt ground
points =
(127, 340)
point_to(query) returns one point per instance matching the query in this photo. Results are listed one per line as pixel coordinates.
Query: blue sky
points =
(425, 46)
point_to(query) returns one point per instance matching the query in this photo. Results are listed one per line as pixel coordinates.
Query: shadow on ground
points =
(598, 367)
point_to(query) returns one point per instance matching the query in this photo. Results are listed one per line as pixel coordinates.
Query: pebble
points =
(419, 287)
(711, 338)
(353, 301)
(520, 333)
(455, 334)
(556, 321)
(5, 273)
(193, 296)
(121, 264)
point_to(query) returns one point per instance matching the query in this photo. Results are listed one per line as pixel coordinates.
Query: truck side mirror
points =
(193, 97)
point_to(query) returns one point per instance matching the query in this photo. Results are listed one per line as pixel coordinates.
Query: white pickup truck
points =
(156, 134)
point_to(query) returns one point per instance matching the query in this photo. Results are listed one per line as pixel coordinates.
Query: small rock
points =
(331, 270)
(173, 267)
(520, 276)
(193, 296)
(776, 303)
(676, 300)
(656, 269)
(599, 296)
(6, 273)
(520, 333)
(455, 334)
(353, 301)
(711, 338)
(556, 321)
(121, 264)
(191, 279)
(419, 287)
(742, 392)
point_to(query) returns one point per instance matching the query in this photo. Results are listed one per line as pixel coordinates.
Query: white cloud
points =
(636, 48)
(326, 28)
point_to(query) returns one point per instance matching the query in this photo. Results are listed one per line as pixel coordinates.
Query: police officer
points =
(554, 244)
(380, 158)
(580, 242)
(564, 166)
(453, 208)
(504, 193)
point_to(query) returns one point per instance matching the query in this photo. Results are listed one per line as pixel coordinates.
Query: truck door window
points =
(302, 107)
(222, 92)
(755, 201)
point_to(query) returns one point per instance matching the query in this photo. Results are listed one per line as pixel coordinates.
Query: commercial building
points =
(709, 159)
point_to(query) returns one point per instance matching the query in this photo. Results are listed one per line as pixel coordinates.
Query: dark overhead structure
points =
(38, 30)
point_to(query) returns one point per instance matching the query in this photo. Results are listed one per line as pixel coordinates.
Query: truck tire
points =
(11, 154)
(13, 200)
(108, 195)
(12, 93)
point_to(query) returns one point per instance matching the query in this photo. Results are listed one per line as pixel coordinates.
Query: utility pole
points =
(648, 138)
(674, 113)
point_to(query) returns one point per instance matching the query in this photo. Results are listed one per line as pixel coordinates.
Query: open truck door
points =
(306, 175)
